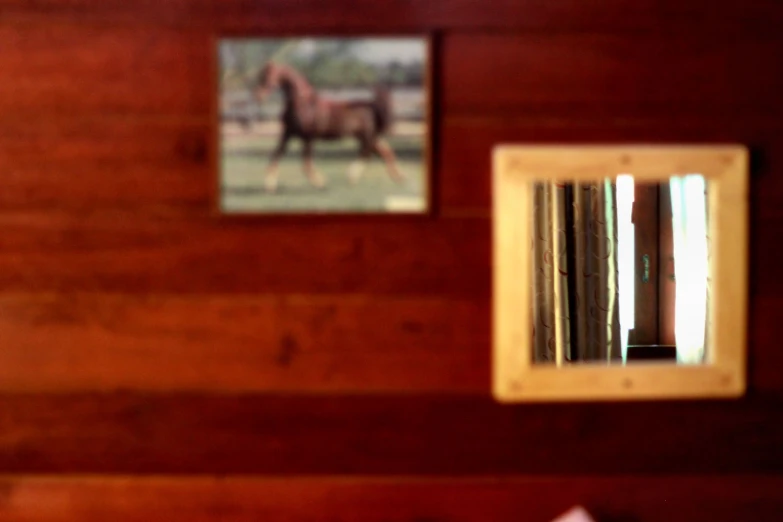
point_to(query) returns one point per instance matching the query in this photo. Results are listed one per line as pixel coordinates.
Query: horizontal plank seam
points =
(418, 479)
(756, 27)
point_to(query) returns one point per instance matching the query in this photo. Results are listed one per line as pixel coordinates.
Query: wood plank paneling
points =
(244, 343)
(420, 434)
(77, 67)
(122, 251)
(278, 15)
(139, 161)
(467, 143)
(576, 112)
(72, 68)
(765, 359)
(765, 254)
(103, 161)
(353, 344)
(149, 325)
(185, 251)
(365, 499)
(616, 73)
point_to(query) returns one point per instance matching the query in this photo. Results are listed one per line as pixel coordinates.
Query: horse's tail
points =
(382, 109)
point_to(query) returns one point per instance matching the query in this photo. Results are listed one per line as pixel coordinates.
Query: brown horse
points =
(311, 117)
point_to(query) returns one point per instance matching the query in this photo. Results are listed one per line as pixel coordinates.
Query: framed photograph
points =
(324, 125)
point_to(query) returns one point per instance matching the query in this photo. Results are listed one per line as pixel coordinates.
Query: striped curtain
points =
(575, 305)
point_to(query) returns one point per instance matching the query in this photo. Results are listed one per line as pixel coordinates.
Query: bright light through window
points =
(689, 220)
(626, 256)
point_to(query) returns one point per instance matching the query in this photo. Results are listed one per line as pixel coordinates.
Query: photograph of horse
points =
(310, 117)
(355, 107)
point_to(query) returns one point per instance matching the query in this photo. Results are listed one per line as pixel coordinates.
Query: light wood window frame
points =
(515, 377)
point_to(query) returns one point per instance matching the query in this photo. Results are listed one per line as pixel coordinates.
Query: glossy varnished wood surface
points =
(276, 15)
(244, 343)
(142, 334)
(381, 434)
(367, 499)
(139, 251)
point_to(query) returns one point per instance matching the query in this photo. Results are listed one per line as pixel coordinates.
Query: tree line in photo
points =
(332, 64)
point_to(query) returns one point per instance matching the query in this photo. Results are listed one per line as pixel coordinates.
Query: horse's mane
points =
(297, 79)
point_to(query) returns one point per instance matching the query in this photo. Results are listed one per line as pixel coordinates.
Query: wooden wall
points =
(160, 362)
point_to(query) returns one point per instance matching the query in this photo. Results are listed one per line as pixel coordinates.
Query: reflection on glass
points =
(689, 223)
(620, 271)
(625, 253)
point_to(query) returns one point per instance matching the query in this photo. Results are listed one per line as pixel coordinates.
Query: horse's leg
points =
(273, 170)
(315, 177)
(385, 151)
(356, 169)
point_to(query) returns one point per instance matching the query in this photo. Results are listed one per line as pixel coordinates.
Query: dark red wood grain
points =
(366, 499)
(143, 334)
(415, 434)
(276, 343)
(467, 143)
(616, 73)
(630, 16)
(272, 343)
(75, 68)
(103, 162)
(123, 250)
(179, 250)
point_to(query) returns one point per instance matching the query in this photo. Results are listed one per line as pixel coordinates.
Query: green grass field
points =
(245, 158)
